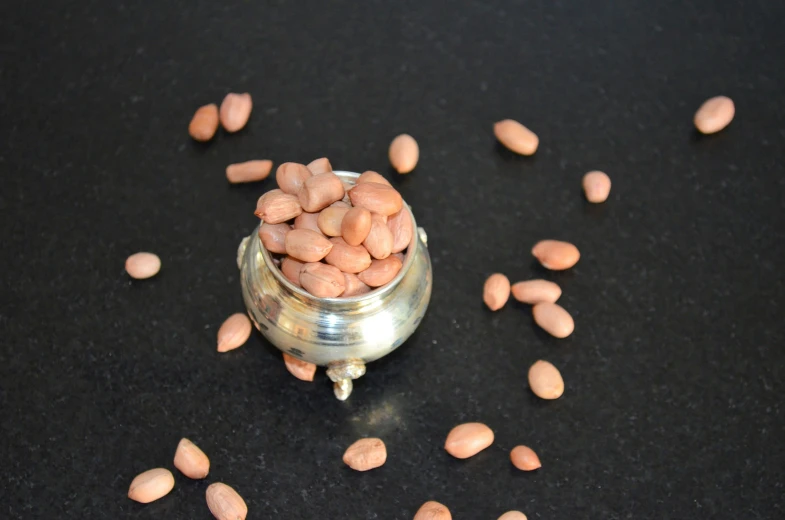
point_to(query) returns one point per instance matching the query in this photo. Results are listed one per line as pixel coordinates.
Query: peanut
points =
(379, 241)
(381, 271)
(513, 515)
(366, 454)
(274, 236)
(235, 111)
(249, 171)
(349, 259)
(553, 319)
(536, 291)
(496, 291)
(142, 265)
(524, 458)
(467, 440)
(320, 191)
(225, 503)
(275, 207)
(321, 165)
(307, 220)
(329, 220)
(516, 137)
(322, 280)
(371, 176)
(378, 198)
(306, 245)
(433, 511)
(151, 485)
(234, 332)
(291, 267)
(300, 369)
(356, 225)
(190, 460)
(291, 177)
(354, 287)
(204, 124)
(596, 186)
(404, 153)
(402, 229)
(714, 114)
(556, 255)
(545, 380)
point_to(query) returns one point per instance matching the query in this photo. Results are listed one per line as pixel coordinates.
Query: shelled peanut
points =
(334, 239)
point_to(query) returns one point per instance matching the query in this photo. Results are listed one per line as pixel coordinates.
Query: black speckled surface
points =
(674, 375)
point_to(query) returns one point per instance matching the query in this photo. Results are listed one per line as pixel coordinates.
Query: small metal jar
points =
(342, 334)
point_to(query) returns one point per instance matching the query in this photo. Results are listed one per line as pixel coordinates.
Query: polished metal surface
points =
(342, 333)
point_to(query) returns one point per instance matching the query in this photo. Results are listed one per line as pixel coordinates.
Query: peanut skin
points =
(322, 280)
(402, 229)
(379, 241)
(320, 191)
(356, 225)
(378, 198)
(306, 245)
(275, 207)
(321, 165)
(349, 259)
(381, 272)
(366, 454)
(273, 236)
(291, 177)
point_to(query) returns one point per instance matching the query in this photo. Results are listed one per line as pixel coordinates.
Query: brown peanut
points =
(142, 265)
(536, 291)
(190, 460)
(378, 198)
(275, 207)
(307, 220)
(596, 186)
(516, 137)
(329, 220)
(356, 225)
(467, 440)
(381, 271)
(404, 153)
(379, 241)
(321, 165)
(234, 332)
(249, 171)
(402, 229)
(553, 319)
(306, 245)
(433, 511)
(366, 454)
(714, 114)
(225, 503)
(291, 267)
(556, 255)
(151, 485)
(302, 370)
(320, 191)
(291, 177)
(496, 291)
(349, 259)
(371, 176)
(235, 111)
(322, 280)
(524, 458)
(204, 124)
(545, 380)
(274, 236)
(354, 286)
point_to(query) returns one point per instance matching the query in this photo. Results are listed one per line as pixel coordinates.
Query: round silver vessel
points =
(342, 334)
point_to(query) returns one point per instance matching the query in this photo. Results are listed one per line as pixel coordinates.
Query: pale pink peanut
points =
(365, 454)
(553, 319)
(596, 186)
(496, 291)
(402, 229)
(356, 225)
(432, 510)
(354, 286)
(151, 485)
(235, 111)
(291, 267)
(302, 370)
(306, 245)
(467, 440)
(513, 515)
(190, 460)
(142, 265)
(516, 137)
(404, 153)
(536, 291)
(234, 332)
(381, 272)
(545, 380)
(349, 259)
(249, 171)
(556, 255)
(291, 177)
(378, 198)
(524, 458)
(321, 165)
(329, 220)
(225, 503)
(322, 280)
(340, 204)
(372, 176)
(275, 207)
(714, 114)
(320, 191)
(307, 220)
(204, 123)
(379, 241)
(273, 236)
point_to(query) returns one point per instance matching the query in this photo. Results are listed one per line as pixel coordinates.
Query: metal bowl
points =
(342, 334)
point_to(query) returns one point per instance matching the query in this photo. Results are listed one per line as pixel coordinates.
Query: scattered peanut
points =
(321, 165)
(225, 503)
(204, 124)
(273, 236)
(234, 332)
(596, 186)
(553, 319)
(524, 458)
(349, 259)
(536, 291)
(320, 191)
(545, 380)
(151, 485)
(402, 229)
(300, 369)
(306, 245)
(249, 171)
(433, 511)
(467, 440)
(516, 137)
(235, 111)
(496, 291)
(381, 272)
(714, 114)
(142, 265)
(275, 207)
(404, 153)
(366, 454)
(291, 177)
(555, 254)
(190, 460)
(356, 225)
(322, 280)
(330, 218)
(378, 198)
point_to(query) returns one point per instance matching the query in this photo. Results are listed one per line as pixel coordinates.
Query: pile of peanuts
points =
(335, 239)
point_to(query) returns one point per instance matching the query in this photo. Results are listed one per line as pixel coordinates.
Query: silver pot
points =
(342, 334)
